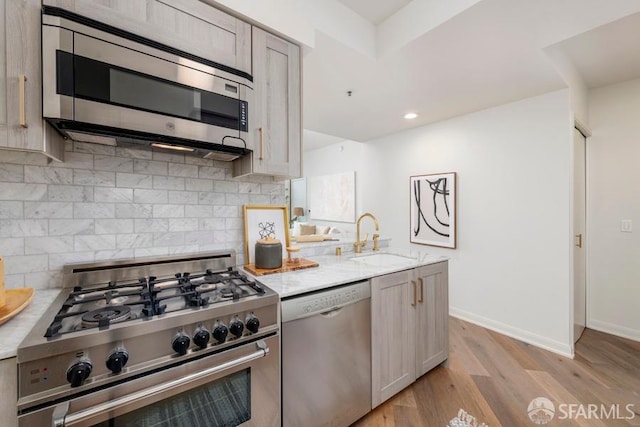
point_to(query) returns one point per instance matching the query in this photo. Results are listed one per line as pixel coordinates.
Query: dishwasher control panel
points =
(325, 300)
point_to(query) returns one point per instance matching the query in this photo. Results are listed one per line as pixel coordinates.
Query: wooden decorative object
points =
(286, 266)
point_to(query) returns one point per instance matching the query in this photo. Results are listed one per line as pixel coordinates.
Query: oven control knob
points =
(220, 332)
(117, 360)
(181, 343)
(252, 323)
(201, 337)
(236, 327)
(79, 372)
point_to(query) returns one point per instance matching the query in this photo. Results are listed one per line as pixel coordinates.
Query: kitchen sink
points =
(383, 260)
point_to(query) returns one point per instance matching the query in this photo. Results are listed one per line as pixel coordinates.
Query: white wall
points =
(614, 194)
(511, 270)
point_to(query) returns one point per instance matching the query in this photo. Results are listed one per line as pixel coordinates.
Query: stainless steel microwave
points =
(105, 85)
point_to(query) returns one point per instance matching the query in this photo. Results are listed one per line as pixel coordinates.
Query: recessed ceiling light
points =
(410, 116)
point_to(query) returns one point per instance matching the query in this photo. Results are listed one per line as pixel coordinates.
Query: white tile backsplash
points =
(21, 191)
(11, 210)
(34, 210)
(134, 180)
(94, 210)
(107, 203)
(95, 178)
(182, 170)
(168, 211)
(114, 226)
(149, 167)
(11, 172)
(94, 243)
(168, 182)
(70, 193)
(12, 246)
(48, 245)
(69, 227)
(48, 175)
(114, 195)
(134, 210)
(111, 163)
(23, 227)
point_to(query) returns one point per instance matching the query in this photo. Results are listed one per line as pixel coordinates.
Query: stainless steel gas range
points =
(172, 341)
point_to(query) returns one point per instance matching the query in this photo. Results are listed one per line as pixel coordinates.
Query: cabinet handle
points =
(261, 144)
(579, 236)
(415, 293)
(421, 282)
(22, 89)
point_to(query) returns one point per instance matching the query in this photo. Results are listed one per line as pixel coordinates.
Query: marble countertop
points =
(336, 270)
(13, 331)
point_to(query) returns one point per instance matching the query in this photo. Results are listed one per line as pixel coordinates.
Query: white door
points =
(579, 227)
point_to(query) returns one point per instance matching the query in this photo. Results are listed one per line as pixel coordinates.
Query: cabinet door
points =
(276, 122)
(21, 124)
(432, 317)
(392, 335)
(188, 25)
(8, 379)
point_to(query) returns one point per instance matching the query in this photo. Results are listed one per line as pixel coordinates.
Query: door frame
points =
(586, 132)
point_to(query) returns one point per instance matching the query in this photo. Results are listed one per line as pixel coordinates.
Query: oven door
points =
(240, 386)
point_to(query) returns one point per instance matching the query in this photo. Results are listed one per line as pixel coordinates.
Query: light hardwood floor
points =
(494, 378)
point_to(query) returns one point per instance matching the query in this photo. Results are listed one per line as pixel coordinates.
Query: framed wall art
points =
(433, 209)
(261, 221)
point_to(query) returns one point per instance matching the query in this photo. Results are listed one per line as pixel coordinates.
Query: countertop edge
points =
(339, 270)
(16, 329)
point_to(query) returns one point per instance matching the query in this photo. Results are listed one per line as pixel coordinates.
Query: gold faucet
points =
(358, 245)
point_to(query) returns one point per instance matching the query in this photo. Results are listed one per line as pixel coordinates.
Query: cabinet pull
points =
(579, 236)
(421, 282)
(415, 293)
(22, 89)
(261, 144)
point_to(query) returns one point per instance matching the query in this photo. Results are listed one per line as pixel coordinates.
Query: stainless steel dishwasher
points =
(326, 356)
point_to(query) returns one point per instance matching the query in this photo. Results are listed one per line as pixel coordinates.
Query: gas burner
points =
(105, 316)
(227, 292)
(114, 301)
(206, 287)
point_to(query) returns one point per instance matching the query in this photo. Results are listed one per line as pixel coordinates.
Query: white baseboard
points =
(610, 328)
(516, 333)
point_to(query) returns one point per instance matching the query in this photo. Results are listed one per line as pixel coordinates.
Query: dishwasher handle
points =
(324, 302)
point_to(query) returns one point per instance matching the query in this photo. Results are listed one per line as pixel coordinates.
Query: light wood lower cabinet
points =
(409, 324)
(9, 400)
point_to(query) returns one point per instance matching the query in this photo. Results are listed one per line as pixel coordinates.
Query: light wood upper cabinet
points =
(275, 113)
(188, 25)
(409, 326)
(21, 124)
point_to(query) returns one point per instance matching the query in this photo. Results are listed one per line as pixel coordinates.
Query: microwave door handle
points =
(70, 419)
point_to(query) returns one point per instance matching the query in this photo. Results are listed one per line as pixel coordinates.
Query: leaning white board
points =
(332, 197)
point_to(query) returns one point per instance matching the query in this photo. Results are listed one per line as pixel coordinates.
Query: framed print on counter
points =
(433, 209)
(262, 221)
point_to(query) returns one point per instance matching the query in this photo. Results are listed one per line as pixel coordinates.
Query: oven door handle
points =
(61, 418)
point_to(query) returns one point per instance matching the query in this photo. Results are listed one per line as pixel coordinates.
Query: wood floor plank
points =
(494, 378)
